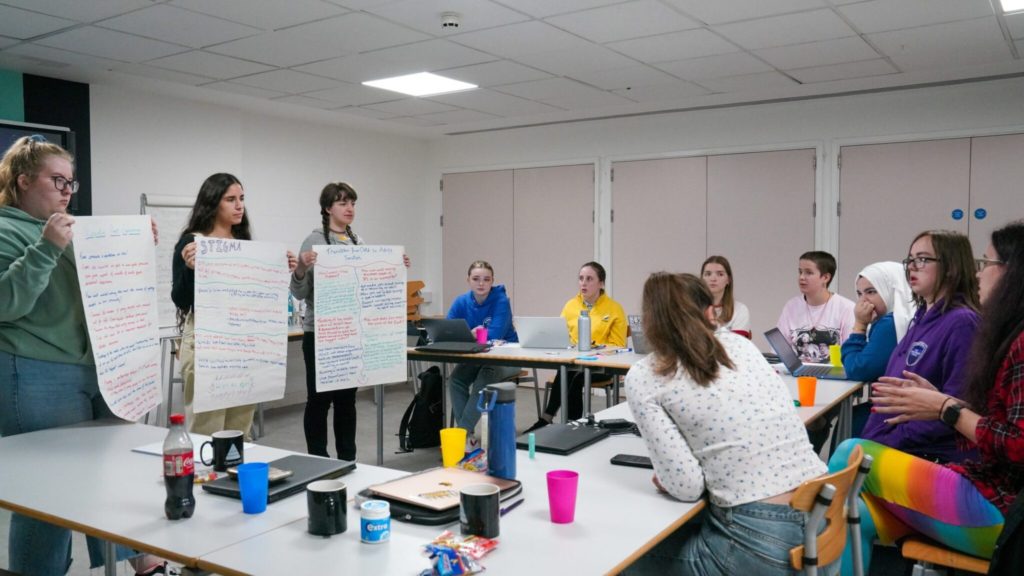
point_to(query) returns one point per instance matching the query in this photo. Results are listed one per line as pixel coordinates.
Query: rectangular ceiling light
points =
(1012, 5)
(421, 84)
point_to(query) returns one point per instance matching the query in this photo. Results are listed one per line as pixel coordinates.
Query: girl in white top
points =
(716, 417)
(729, 313)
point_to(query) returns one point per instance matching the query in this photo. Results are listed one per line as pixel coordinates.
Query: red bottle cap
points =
(177, 418)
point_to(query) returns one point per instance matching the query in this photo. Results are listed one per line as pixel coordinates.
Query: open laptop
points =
(793, 363)
(452, 336)
(542, 332)
(563, 439)
(304, 469)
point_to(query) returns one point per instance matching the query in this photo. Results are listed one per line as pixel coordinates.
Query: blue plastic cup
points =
(253, 480)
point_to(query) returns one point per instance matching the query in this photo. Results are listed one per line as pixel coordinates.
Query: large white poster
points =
(359, 300)
(116, 263)
(241, 322)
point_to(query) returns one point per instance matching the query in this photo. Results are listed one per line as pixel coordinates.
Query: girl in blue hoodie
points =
(485, 306)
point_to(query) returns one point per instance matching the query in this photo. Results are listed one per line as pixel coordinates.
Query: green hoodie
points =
(41, 314)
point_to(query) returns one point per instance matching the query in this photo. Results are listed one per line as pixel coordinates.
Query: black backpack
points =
(423, 419)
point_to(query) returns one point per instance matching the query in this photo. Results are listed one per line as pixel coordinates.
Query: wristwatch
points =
(951, 414)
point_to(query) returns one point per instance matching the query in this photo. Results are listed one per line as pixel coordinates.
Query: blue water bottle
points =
(499, 402)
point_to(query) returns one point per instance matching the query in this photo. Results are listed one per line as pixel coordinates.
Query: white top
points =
(812, 329)
(740, 318)
(740, 437)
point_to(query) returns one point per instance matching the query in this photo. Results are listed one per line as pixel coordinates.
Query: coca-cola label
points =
(178, 464)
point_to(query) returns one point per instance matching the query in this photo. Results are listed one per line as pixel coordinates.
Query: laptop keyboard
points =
(812, 370)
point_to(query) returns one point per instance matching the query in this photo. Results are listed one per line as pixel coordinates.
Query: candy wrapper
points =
(454, 556)
(475, 461)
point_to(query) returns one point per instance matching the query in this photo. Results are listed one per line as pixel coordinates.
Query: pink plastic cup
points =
(562, 495)
(481, 335)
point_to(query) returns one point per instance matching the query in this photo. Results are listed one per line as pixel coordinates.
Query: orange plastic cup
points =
(806, 386)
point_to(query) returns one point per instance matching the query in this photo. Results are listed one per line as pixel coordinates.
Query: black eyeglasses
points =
(983, 262)
(918, 262)
(61, 183)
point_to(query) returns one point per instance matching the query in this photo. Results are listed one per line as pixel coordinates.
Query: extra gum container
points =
(375, 521)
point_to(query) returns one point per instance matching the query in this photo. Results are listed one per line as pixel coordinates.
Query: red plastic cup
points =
(562, 486)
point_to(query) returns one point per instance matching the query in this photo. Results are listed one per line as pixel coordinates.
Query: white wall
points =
(146, 142)
(978, 108)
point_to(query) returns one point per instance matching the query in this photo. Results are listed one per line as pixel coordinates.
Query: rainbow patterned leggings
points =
(906, 495)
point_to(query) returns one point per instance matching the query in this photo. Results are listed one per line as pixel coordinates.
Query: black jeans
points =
(575, 395)
(314, 420)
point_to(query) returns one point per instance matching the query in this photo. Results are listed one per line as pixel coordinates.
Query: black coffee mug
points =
(327, 504)
(478, 510)
(227, 449)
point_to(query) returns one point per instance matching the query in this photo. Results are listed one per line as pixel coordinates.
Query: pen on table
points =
(511, 506)
(623, 350)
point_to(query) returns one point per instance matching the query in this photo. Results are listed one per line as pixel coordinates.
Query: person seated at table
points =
(882, 314)
(484, 307)
(716, 418)
(961, 505)
(607, 328)
(940, 270)
(47, 370)
(730, 314)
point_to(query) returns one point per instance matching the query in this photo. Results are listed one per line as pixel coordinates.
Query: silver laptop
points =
(542, 331)
(796, 366)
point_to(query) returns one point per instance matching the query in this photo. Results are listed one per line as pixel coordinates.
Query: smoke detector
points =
(450, 20)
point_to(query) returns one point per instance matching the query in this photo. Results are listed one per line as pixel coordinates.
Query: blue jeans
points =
(464, 386)
(748, 539)
(36, 395)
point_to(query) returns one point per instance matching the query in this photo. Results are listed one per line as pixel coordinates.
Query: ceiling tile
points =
(851, 49)
(414, 121)
(110, 44)
(844, 71)
(243, 90)
(207, 64)
(429, 56)
(565, 62)
(523, 38)
(1020, 46)
(288, 81)
(79, 11)
(5, 42)
(355, 95)
(592, 99)
(307, 102)
(951, 45)
(172, 24)
(544, 8)
(634, 75)
(425, 15)
(563, 93)
(662, 92)
(721, 11)
(674, 46)
(347, 34)
(411, 107)
(787, 29)
(365, 112)
(624, 21)
(495, 73)
(495, 103)
(264, 14)
(717, 66)
(457, 116)
(1015, 22)
(161, 74)
(22, 24)
(748, 82)
(882, 15)
(56, 58)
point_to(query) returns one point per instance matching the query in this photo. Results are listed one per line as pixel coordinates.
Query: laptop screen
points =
(783, 348)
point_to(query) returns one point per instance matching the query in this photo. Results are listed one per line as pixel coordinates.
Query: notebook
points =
(450, 336)
(305, 469)
(438, 488)
(793, 363)
(563, 439)
(542, 332)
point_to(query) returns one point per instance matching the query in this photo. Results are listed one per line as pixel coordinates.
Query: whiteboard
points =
(171, 215)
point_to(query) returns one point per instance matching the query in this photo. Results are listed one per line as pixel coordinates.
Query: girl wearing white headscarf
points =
(884, 308)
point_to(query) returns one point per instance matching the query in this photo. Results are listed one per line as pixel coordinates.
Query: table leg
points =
(563, 376)
(586, 391)
(378, 394)
(110, 558)
(844, 429)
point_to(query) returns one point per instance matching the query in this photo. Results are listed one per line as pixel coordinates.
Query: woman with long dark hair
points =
(716, 418)
(219, 212)
(960, 505)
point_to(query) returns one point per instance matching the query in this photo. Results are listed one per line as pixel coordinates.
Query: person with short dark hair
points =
(817, 318)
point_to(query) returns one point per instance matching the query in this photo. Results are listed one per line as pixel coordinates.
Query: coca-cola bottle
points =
(179, 470)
